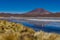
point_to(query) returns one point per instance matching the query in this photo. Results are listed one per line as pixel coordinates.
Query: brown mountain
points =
(39, 12)
(10, 14)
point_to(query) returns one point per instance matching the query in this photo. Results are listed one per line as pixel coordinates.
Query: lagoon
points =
(49, 26)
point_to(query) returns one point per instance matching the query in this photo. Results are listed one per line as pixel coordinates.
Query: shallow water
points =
(49, 27)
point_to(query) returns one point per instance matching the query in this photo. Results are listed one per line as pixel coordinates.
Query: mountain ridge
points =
(39, 12)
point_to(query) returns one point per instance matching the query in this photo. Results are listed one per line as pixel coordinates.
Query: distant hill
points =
(10, 15)
(39, 12)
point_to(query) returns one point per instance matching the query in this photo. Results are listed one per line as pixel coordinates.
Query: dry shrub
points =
(47, 36)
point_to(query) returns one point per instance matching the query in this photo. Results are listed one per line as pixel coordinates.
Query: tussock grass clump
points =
(47, 36)
(16, 31)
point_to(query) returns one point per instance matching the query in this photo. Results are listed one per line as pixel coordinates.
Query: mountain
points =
(39, 12)
(10, 15)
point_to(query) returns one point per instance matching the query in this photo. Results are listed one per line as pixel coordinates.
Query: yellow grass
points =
(16, 31)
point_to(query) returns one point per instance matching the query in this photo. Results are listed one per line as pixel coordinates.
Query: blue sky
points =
(21, 6)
